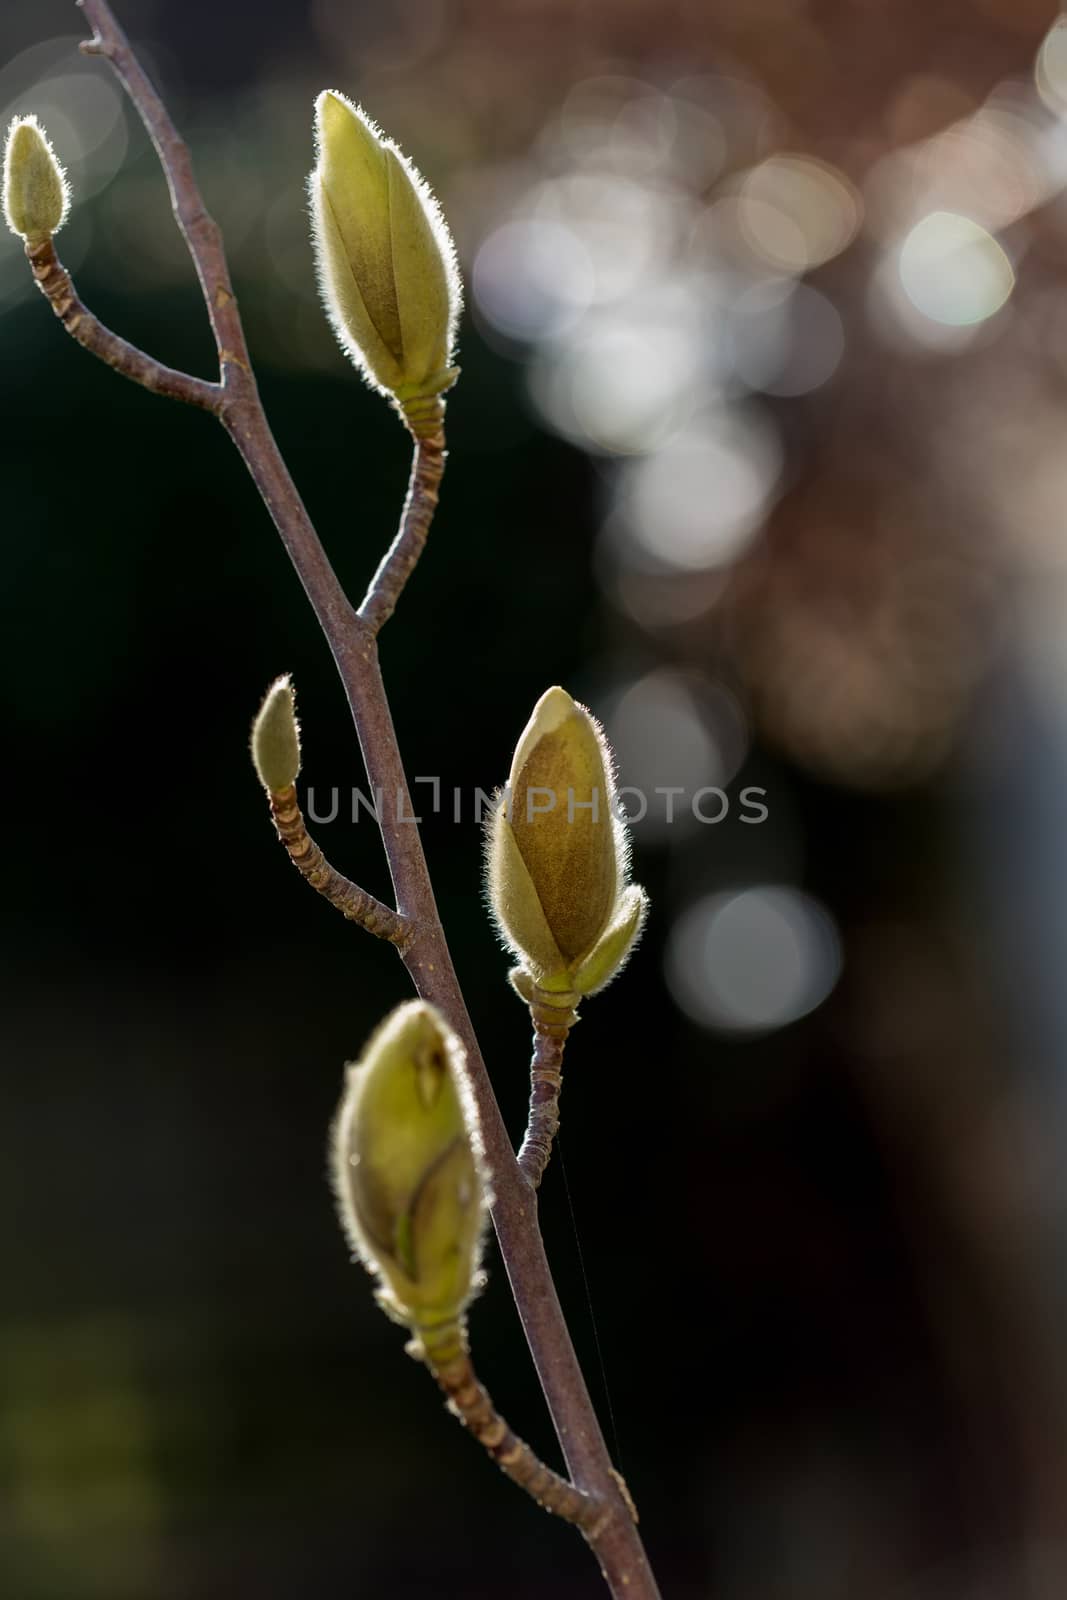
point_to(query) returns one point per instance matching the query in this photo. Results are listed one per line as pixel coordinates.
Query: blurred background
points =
(760, 448)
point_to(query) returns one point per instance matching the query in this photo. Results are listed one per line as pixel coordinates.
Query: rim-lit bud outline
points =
(527, 915)
(276, 737)
(36, 194)
(408, 1169)
(384, 256)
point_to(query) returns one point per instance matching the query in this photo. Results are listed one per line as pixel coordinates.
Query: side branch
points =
(198, 228)
(400, 560)
(446, 1354)
(351, 901)
(54, 282)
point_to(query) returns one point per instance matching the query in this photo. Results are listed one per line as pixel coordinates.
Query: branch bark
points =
(444, 1349)
(350, 900)
(425, 953)
(55, 283)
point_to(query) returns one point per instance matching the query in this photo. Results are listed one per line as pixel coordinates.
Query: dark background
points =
(817, 1267)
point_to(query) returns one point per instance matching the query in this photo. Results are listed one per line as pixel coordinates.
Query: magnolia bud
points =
(36, 195)
(276, 738)
(408, 1167)
(385, 257)
(558, 858)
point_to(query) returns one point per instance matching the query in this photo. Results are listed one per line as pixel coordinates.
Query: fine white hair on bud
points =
(409, 1169)
(385, 258)
(558, 856)
(276, 737)
(36, 192)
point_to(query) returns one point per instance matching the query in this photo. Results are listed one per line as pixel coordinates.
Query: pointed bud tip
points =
(550, 713)
(335, 112)
(276, 737)
(553, 708)
(36, 195)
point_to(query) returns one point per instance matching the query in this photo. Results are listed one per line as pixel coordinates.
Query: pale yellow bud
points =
(276, 738)
(408, 1167)
(385, 257)
(36, 195)
(557, 854)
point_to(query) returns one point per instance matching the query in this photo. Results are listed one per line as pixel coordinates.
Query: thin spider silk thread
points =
(616, 1451)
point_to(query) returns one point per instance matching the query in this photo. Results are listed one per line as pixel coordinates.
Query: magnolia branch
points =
(54, 282)
(353, 902)
(235, 400)
(198, 228)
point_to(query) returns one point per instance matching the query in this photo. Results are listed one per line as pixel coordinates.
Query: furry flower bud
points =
(408, 1167)
(558, 858)
(36, 195)
(276, 738)
(386, 262)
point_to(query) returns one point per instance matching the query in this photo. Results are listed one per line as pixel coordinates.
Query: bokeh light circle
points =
(786, 338)
(533, 279)
(753, 960)
(954, 271)
(798, 212)
(698, 502)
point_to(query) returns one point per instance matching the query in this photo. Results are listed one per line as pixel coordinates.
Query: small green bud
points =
(36, 195)
(408, 1167)
(557, 854)
(276, 738)
(385, 258)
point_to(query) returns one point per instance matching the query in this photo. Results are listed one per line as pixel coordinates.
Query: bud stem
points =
(400, 559)
(54, 282)
(446, 1354)
(351, 901)
(542, 1122)
(554, 1014)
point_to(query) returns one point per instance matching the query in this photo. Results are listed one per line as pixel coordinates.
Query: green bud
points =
(408, 1168)
(557, 858)
(276, 738)
(613, 949)
(385, 257)
(36, 195)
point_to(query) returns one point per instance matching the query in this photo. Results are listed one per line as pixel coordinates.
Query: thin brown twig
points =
(542, 1122)
(443, 1346)
(54, 282)
(353, 902)
(198, 228)
(242, 411)
(554, 1013)
(400, 559)
(473, 1406)
(614, 1538)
